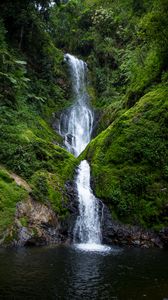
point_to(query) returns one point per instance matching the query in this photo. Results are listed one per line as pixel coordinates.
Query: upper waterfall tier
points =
(76, 124)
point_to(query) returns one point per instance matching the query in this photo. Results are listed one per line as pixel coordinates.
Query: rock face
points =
(20, 181)
(68, 224)
(42, 226)
(56, 121)
(35, 224)
(164, 237)
(117, 233)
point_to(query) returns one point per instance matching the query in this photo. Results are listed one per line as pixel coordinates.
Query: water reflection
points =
(67, 273)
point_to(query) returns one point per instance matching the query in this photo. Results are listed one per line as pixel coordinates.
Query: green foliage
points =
(33, 86)
(29, 144)
(49, 188)
(129, 162)
(125, 44)
(64, 24)
(24, 221)
(10, 195)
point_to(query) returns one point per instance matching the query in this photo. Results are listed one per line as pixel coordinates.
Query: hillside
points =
(125, 45)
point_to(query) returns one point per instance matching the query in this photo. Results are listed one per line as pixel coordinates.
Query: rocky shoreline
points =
(117, 233)
(36, 224)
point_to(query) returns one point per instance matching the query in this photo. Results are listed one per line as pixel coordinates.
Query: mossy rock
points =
(10, 195)
(49, 189)
(129, 162)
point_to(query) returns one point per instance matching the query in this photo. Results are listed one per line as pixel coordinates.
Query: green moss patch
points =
(129, 162)
(49, 189)
(10, 195)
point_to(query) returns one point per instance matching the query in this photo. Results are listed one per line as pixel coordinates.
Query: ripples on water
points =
(71, 273)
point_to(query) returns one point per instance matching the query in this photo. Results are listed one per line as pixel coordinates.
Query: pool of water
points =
(71, 273)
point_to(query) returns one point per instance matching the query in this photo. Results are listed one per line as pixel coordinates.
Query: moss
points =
(10, 195)
(125, 46)
(28, 144)
(49, 189)
(10, 237)
(129, 162)
(24, 221)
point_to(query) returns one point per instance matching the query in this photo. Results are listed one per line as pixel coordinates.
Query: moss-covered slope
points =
(33, 86)
(125, 44)
(10, 195)
(129, 162)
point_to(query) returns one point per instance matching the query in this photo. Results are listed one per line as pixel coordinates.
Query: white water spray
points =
(87, 228)
(76, 124)
(76, 127)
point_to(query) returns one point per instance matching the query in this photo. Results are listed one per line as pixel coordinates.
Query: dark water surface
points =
(68, 273)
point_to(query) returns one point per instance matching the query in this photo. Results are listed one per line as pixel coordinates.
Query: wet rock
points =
(68, 224)
(114, 232)
(56, 121)
(35, 224)
(97, 116)
(42, 225)
(24, 235)
(163, 234)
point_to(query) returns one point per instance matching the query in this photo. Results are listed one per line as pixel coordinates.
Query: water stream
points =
(76, 127)
(87, 228)
(76, 124)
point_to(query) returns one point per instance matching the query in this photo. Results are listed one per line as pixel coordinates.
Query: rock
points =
(68, 224)
(37, 224)
(21, 182)
(163, 234)
(56, 121)
(116, 233)
(41, 224)
(24, 235)
(136, 243)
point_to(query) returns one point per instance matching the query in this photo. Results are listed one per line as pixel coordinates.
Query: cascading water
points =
(87, 228)
(76, 127)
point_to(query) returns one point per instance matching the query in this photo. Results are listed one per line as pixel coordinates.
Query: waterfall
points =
(87, 228)
(76, 126)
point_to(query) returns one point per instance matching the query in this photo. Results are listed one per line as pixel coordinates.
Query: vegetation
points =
(125, 44)
(10, 194)
(129, 160)
(33, 86)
